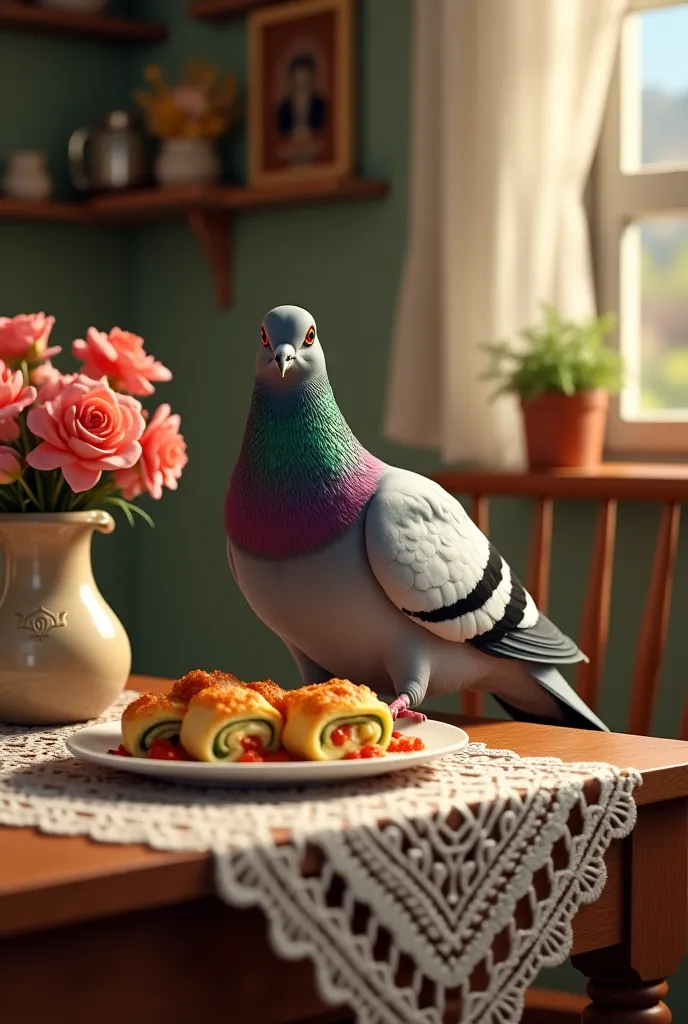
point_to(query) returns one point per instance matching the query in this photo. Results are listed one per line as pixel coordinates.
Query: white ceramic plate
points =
(93, 743)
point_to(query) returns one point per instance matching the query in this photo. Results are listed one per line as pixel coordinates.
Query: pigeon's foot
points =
(400, 709)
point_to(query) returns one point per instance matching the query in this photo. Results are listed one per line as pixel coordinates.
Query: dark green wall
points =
(343, 263)
(172, 587)
(49, 87)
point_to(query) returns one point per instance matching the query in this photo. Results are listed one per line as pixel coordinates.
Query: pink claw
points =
(400, 709)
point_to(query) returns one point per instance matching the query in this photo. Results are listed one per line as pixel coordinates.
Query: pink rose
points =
(51, 388)
(87, 428)
(121, 358)
(11, 467)
(26, 337)
(191, 100)
(44, 373)
(14, 397)
(163, 458)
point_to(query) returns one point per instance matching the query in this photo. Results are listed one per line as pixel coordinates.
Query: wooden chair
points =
(608, 486)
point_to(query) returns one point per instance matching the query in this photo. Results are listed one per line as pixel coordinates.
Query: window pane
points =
(655, 106)
(654, 319)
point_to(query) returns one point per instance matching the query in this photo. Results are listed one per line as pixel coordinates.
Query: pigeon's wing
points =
(441, 571)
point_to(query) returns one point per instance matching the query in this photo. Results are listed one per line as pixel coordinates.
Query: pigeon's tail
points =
(575, 713)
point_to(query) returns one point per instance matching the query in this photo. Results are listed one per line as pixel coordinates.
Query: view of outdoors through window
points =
(663, 250)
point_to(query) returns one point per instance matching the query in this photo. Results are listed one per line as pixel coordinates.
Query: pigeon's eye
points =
(264, 340)
(310, 336)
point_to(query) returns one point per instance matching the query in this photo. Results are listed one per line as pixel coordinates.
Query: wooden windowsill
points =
(630, 481)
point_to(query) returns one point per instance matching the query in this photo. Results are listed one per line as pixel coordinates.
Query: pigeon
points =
(373, 573)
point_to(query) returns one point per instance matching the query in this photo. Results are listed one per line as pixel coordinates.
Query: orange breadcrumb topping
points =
(196, 680)
(335, 695)
(231, 699)
(148, 703)
(225, 677)
(273, 693)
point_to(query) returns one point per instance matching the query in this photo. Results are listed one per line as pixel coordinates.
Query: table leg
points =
(618, 994)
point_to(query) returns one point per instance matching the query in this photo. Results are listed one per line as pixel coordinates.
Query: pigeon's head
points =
(289, 347)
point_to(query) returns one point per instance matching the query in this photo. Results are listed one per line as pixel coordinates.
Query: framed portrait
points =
(300, 91)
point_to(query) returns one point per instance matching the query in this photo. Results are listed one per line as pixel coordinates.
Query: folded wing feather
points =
(441, 571)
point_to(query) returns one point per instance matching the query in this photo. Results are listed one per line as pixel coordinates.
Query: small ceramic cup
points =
(26, 176)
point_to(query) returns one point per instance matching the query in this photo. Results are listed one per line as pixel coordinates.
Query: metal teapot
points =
(112, 155)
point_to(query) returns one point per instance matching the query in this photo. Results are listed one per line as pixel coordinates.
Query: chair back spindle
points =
(537, 578)
(655, 622)
(480, 513)
(595, 619)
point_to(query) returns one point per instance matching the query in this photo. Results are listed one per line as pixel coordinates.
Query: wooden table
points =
(109, 933)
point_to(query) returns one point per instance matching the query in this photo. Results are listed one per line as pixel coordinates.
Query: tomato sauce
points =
(255, 753)
(400, 744)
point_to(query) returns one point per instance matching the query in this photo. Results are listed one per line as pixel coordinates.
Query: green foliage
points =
(130, 509)
(556, 355)
(664, 380)
(664, 272)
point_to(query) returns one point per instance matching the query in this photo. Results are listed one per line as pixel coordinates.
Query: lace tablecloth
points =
(457, 880)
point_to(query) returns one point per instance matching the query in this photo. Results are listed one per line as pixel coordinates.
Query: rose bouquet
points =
(77, 441)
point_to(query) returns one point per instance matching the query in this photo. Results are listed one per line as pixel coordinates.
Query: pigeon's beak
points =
(284, 357)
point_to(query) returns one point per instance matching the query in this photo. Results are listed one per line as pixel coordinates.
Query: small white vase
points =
(26, 176)
(77, 6)
(64, 654)
(187, 162)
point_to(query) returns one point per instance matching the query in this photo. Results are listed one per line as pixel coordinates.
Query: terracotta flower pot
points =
(64, 655)
(565, 430)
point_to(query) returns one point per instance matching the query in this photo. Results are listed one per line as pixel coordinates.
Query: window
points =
(640, 227)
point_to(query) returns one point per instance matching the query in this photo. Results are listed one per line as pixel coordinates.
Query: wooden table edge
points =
(97, 879)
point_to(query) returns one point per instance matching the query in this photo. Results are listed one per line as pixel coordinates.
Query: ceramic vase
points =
(26, 176)
(187, 162)
(565, 430)
(64, 654)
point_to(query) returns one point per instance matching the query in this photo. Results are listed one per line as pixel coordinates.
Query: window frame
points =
(620, 196)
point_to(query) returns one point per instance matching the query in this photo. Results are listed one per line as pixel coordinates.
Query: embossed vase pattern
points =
(64, 654)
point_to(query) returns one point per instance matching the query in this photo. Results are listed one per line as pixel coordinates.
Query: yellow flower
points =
(167, 117)
(152, 73)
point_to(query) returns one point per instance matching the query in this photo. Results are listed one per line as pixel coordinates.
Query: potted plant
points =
(71, 446)
(563, 373)
(188, 118)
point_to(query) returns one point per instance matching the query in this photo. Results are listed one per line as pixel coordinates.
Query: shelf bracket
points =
(213, 231)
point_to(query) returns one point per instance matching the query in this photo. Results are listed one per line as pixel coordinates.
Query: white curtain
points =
(507, 105)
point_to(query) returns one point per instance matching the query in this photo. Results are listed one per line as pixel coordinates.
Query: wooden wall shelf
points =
(22, 17)
(209, 211)
(217, 10)
(23, 210)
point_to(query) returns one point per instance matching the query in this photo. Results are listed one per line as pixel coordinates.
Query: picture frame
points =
(300, 92)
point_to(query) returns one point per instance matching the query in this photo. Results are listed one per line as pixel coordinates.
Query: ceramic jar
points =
(64, 654)
(187, 162)
(26, 176)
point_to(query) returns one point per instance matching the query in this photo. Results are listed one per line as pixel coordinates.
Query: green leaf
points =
(144, 515)
(124, 505)
(128, 507)
(555, 355)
